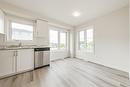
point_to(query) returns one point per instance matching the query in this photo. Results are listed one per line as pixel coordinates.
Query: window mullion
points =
(66, 41)
(78, 40)
(10, 30)
(58, 39)
(85, 38)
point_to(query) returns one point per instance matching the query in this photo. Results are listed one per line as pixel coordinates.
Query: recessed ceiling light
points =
(76, 14)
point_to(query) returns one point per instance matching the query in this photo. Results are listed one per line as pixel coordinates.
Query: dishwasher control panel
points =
(42, 49)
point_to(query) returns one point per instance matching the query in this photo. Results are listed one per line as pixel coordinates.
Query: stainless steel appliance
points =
(42, 57)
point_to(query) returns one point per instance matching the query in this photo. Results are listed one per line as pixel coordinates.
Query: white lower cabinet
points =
(16, 61)
(7, 62)
(25, 60)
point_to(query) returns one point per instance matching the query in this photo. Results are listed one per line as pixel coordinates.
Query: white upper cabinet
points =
(1, 22)
(7, 62)
(25, 60)
(42, 28)
(42, 32)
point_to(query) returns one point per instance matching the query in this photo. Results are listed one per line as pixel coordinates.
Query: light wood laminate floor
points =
(69, 73)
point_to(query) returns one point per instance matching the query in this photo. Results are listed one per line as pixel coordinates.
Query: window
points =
(90, 43)
(86, 40)
(62, 40)
(21, 31)
(58, 40)
(54, 39)
(1, 22)
(82, 40)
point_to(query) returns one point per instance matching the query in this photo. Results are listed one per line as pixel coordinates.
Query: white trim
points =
(84, 28)
(60, 26)
(11, 19)
(2, 17)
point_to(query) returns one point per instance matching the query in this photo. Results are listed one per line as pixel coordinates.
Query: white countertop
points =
(22, 47)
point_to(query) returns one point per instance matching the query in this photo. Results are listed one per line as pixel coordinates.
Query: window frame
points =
(12, 19)
(57, 38)
(60, 31)
(2, 17)
(85, 38)
(65, 40)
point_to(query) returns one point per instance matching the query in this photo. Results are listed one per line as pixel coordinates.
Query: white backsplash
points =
(41, 41)
(37, 41)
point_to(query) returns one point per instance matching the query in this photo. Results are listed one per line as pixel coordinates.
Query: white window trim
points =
(85, 29)
(66, 40)
(2, 16)
(9, 20)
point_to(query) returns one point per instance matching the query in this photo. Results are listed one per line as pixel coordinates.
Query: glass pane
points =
(81, 35)
(1, 22)
(53, 39)
(90, 45)
(82, 40)
(22, 31)
(63, 40)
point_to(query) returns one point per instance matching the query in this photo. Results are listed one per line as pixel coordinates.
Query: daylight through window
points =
(86, 41)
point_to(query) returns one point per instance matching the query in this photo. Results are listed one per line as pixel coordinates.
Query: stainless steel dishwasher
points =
(42, 57)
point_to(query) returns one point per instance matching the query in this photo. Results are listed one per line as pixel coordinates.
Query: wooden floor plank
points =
(69, 72)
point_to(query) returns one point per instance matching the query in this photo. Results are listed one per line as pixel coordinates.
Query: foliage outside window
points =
(21, 31)
(86, 41)
(58, 39)
(63, 40)
(54, 39)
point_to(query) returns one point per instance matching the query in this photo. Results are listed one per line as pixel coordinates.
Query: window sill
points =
(59, 50)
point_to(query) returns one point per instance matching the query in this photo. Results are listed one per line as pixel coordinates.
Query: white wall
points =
(111, 40)
(72, 43)
(59, 54)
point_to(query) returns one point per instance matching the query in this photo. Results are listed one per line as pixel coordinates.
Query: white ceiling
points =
(61, 10)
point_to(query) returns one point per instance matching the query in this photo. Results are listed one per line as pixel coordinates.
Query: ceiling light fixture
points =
(76, 14)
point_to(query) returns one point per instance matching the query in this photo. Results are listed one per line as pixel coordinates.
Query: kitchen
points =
(20, 57)
(53, 45)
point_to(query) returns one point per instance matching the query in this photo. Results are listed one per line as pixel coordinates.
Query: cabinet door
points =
(42, 32)
(7, 62)
(25, 60)
(42, 28)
